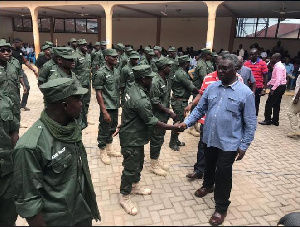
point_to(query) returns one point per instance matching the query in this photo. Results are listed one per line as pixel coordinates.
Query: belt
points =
(180, 99)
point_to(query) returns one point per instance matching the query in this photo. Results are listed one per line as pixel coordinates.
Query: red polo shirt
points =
(258, 69)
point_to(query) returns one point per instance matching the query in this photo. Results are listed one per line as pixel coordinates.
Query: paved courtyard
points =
(266, 183)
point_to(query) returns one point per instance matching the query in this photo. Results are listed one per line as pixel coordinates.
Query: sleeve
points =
(203, 86)
(28, 181)
(264, 67)
(99, 80)
(251, 77)
(155, 94)
(123, 74)
(144, 110)
(185, 82)
(43, 73)
(249, 122)
(199, 111)
(280, 73)
(14, 125)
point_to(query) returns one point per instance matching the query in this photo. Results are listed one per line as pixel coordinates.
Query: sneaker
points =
(137, 189)
(25, 108)
(127, 205)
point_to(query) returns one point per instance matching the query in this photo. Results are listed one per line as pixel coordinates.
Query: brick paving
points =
(266, 183)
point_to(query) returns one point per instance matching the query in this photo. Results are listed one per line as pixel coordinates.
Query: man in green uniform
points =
(98, 59)
(173, 57)
(182, 88)
(44, 58)
(160, 99)
(105, 82)
(126, 74)
(9, 134)
(122, 59)
(73, 43)
(157, 52)
(51, 173)
(95, 49)
(128, 50)
(148, 60)
(83, 72)
(46, 43)
(135, 130)
(11, 75)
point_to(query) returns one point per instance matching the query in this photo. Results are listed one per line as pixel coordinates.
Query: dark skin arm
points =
(14, 137)
(100, 101)
(193, 103)
(161, 108)
(27, 63)
(253, 87)
(37, 220)
(23, 85)
(265, 76)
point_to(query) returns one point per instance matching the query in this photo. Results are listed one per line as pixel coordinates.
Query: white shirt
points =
(241, 52)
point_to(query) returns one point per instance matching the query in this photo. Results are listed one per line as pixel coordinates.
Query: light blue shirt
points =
(230, 116)
(247, 75)
(289, 68)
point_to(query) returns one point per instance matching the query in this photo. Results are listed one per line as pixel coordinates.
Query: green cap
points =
(183, 58)
(60, 89)
(134, 54)
(97, 44)
(81, 42)
(65, 52)
(120, 46)
(128, 49)
(205, 51)
(45, 46)
(163, 61)
(3, 43)
(103, 43)
(157, 48)
(142, 71)
(50, 44)
(172, 49)
(149, 51)
(110, 52)
(73, 40)
(214, 54)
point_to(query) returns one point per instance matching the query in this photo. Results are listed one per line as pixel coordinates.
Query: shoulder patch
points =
(31, 137)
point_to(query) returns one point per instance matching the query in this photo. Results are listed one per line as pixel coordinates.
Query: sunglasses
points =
(2, 50)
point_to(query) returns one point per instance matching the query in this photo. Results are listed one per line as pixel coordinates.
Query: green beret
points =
(142, 71)
(103, 43)
(134, 54)
(120, 46)
(110, 52)
(81, 42)
(3, 43)
(183, 58)
(172, 49)
(97, 44)
(163, 61)
(205, 51)
(65, 52)
(50, 44)
(157, 48)
(45, 46)
(73, 40)
(60, 89)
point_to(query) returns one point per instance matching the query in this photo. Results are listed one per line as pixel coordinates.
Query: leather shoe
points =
(265, 122)
(195, 175)
(201, 192)
(217, 218)
(276, 123)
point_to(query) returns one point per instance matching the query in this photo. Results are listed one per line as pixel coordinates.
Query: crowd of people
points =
(45, 176)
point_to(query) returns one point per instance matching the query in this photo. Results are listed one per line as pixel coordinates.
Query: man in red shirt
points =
(260, 71)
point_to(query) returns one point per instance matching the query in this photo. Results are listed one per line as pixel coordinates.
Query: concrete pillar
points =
(108, 7)
(35, 27)
(212, 10)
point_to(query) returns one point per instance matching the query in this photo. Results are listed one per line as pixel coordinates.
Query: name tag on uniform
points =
(163, 86)
(80, 59)
(127, 97)
(130, 72)
(58, 153)
(108, 76)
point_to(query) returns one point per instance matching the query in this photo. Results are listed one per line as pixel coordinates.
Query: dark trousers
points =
(157, 140)
(178, 108)
(200, 164)
(218, 172)
(257, 99)
(85, 222)
(106, 129)
(133, 161)
(273, 104)
(25, 95)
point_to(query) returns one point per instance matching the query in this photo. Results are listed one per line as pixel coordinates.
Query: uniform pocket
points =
(232, 105)
(60, 165)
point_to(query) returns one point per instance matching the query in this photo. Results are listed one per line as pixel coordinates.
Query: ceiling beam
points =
(66, 11)
(139, 11)
(228, 9)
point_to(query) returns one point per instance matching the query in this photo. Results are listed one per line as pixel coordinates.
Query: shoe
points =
(197, 127)
(179, 143)
(137, 189)
(217, 218)
(25, 108)
(293, 134)
(193, 132)
(165, 167)
(265, 122)
(201, 192)
(156, 169)
(23, 126)
(104, 157)
(110, 151)
(174, 147)
(127, 205)
(195, 175)
(276, 123)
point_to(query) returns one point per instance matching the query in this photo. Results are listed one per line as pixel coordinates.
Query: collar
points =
(258, 60)
(279, 62)
(232, 86)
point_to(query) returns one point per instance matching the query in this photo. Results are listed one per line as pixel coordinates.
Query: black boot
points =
(173, 142)
(179, 143)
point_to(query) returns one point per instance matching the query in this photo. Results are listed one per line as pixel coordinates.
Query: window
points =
(27, 25)
(69, 25)
(268, 28)
(18, 24)
(92, 26)
(44, 25)
(59, 25)
(80, 25)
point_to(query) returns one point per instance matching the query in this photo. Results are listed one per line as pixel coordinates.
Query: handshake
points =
(179, 127)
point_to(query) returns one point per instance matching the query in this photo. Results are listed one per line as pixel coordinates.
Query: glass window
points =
(272, 27)
(81, 25)
(92, 26)
(27, 25)
(59, 25)
(246, 27)
(45, 24)
(70, 25)
(18, 24)
(289, 28)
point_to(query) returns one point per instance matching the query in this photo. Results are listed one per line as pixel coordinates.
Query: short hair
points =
(233, 58)
(17, 40)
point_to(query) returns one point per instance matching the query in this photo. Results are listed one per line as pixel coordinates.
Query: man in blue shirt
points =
(229, 129)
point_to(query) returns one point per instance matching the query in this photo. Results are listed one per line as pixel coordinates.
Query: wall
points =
(6, 28)
(222, 33)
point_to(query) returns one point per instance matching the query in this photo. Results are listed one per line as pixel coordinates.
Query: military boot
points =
(173, 142)
(156, 169)
(110, 152)
(193, 131)
(127, 205)
(137, 189)
(103, 156)
(293, 134)
(165, 167)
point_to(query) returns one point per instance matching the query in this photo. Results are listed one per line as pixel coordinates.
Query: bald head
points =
(275, 58)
